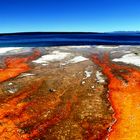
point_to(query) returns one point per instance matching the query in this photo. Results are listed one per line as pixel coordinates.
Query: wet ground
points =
(63, 96)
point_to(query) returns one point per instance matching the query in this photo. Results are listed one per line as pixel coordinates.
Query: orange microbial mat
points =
(124, 96)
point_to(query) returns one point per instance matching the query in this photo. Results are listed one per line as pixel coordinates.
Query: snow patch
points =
(87, 74)
(106, 47)
(123, 51)
(93, 87)
(7, 49)
(10, 83)
(12, 90)
(129, 59)
(27, 74)
(44, 64)
(79, 47)
(78, 59)
(83, 82)
(99, 77)
(54, 56)
(124, 46)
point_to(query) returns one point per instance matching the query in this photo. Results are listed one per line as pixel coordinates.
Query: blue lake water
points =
(59, 39)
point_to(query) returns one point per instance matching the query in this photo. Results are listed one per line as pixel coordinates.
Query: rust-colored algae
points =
(124, 95)
(40, 128)
(16, 66)
(17, 121)
(12, 111)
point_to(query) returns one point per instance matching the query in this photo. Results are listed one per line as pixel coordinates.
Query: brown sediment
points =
(15, 66)
(124, 96)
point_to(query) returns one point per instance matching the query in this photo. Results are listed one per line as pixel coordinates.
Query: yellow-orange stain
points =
(15, 66)
(124, 96)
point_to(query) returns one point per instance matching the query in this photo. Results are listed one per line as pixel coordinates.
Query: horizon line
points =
(26, 32)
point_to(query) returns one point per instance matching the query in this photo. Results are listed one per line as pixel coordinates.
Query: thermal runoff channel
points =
(124, 96)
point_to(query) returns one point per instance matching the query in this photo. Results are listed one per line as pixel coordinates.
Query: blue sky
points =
(69, 15)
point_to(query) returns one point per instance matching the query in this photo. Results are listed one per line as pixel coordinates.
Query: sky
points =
(69, 15)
